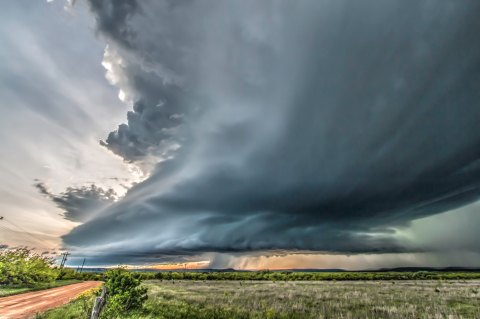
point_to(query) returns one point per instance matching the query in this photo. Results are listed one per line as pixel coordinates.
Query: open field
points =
(303, 299)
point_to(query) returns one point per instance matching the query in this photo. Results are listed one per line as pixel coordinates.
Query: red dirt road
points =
(28, 304)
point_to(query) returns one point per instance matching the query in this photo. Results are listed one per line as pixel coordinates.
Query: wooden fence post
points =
(99, 303)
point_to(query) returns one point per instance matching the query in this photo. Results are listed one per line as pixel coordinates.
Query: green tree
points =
(22, 266)
(67, 273)
(124, 292)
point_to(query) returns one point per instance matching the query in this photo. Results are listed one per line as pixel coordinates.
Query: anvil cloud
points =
(288, 125)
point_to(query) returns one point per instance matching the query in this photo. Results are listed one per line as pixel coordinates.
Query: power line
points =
(24, 231)
(20, 234)
(83, 264)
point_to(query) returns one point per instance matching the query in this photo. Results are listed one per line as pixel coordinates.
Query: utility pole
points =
(64, 259)
(82, 264)
(61, 263)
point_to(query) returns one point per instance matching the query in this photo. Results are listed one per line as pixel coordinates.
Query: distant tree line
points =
(23, 267)
(311, 276)
(296, 276)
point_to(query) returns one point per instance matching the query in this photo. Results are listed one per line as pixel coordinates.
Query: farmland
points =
(301, 299)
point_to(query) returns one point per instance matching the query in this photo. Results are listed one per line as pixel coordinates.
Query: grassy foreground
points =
(14, 290)
(295, 299)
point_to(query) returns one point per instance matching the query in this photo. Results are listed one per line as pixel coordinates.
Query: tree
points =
(124, 292)
(22, 266)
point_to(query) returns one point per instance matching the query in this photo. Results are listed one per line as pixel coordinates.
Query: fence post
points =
(99, 303)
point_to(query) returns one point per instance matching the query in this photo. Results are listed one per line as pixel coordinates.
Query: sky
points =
(242, 134)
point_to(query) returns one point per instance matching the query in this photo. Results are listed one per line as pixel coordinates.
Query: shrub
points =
(124, 292)
(67, 273)
(22, 266)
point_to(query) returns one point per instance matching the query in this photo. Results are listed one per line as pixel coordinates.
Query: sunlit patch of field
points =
(352, 299)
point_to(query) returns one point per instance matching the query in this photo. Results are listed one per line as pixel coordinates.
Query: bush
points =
(124, 293)
(81, 307)
(67, 274)
(22, 266)
(305, 276)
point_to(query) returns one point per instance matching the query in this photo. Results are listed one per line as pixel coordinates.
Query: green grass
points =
(81, 307)
(14, 290)
(299, 299)
(8, 291)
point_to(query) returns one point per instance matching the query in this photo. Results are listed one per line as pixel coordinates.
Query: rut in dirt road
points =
(28, 304)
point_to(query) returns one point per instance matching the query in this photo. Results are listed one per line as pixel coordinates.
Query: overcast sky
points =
(246, 134)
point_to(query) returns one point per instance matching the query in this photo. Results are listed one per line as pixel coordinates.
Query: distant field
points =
(304, 299)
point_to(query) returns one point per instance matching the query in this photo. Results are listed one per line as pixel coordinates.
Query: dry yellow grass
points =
(355, 299)
(300, 300)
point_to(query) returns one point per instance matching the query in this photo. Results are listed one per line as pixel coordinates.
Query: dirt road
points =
(28, 304)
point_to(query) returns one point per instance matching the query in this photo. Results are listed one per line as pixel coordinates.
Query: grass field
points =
(13, 290)
(302, 299)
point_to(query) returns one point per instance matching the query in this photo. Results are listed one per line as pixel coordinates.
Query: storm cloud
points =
(79, 203)
(288, 126)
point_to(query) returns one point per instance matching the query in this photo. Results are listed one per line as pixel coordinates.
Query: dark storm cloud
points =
(307, 125)
(159, 101)
(79, 203)
(147, 132)
(112, 16)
